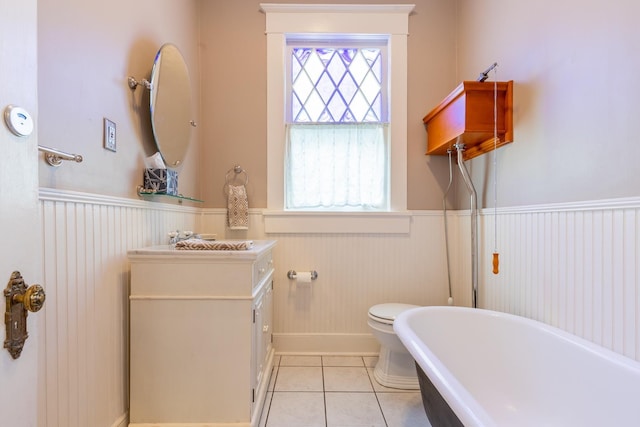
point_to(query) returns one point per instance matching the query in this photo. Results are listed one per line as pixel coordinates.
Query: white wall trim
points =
(315, 343)
(587, 205)
(427, 213)
(122, 420)
(56, 195)
(345, 8)
(334, 18)
(190, 425)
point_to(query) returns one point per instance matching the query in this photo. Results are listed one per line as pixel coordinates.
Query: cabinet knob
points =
(261, 270)
(265, 328)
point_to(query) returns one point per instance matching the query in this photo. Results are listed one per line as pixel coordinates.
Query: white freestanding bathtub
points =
(484, 368)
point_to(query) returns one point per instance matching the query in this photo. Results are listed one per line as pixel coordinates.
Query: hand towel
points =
(237, 208)
(215, 245)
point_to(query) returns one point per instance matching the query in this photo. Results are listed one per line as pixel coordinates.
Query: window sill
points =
(283, 222)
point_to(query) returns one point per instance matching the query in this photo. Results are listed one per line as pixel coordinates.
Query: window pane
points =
(336, 85)
(337, 107)
(358, 68)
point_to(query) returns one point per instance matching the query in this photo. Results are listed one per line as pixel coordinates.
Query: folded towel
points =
(215, 245)
(237, 207)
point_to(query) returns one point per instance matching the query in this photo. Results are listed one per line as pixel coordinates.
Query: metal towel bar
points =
(55, 157)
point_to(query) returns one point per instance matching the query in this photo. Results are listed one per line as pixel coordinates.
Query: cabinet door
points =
(267, 322)
(257, 362)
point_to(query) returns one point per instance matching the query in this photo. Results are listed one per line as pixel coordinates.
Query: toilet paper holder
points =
(291, 274)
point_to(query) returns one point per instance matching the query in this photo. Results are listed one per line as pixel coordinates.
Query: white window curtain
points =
(337, 166)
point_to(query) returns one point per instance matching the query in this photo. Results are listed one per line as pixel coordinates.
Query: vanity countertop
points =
(170, 252)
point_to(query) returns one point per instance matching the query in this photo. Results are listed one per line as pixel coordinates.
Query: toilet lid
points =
(387, 313)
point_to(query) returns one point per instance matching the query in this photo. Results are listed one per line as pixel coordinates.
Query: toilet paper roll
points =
(303, 277)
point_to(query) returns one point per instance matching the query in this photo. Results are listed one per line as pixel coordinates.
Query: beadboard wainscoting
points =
(355, 271)
(575, 266)
(84, 343)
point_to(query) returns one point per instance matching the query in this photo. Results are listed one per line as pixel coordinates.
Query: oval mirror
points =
(170, 103)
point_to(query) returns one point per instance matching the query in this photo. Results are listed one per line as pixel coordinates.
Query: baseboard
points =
(262, 390)
(122, 420)
(339, 344)
(190, 425)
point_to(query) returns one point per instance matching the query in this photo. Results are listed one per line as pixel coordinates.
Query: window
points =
(336, 84)
(337, 152)
(304, 22)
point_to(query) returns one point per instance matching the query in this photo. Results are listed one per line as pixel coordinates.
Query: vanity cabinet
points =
(200, 336)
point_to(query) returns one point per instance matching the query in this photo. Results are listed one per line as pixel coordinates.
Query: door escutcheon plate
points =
(20, 299)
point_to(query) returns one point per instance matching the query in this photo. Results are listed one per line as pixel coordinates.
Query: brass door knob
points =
(20, 299)
(32, 299)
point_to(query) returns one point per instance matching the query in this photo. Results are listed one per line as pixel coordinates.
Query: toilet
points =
(396, 367)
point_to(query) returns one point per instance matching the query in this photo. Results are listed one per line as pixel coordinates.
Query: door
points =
(20, 247)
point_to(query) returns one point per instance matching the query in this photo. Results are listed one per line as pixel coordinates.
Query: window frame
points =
(390, 21)
(339, 41)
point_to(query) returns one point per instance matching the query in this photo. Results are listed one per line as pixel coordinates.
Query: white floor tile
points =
(301, 361)
(296, 410)
(296, 397)
(353, 409)
(403, 409)
(299, 378)
(346, 379)
(342, 361)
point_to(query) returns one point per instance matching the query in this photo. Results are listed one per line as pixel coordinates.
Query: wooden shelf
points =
(467, 115)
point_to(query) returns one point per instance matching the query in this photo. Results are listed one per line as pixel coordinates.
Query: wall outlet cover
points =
(109, 135)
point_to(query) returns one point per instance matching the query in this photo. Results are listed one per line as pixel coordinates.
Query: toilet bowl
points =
(396, 367)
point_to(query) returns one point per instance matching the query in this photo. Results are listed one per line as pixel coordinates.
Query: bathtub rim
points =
(464, 405)
(453, 392)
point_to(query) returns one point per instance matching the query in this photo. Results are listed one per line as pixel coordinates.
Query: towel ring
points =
(236, 170)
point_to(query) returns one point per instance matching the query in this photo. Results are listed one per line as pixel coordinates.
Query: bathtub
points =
(484, 368)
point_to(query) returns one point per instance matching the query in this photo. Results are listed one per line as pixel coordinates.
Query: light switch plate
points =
(109, 135)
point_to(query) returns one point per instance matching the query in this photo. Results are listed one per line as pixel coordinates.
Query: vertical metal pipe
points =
(474, 223)
(446, 227)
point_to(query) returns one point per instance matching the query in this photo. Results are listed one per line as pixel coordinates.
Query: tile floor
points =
(336, 391)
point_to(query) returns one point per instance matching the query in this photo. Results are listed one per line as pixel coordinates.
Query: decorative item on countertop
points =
(237, 201)
(215, 245)
(157, 178)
